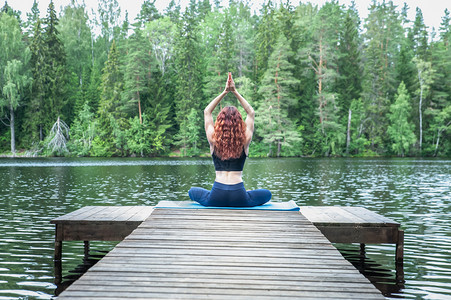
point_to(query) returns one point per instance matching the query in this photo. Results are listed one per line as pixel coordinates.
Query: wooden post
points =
(86, 249)
(58, 254)
(362, 249)
(400, 248)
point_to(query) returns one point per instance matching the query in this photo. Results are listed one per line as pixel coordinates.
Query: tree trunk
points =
(41, 134)
(279, 148)
(436, 144)
(348, 135)
(139, 102)
(13, 135)
(421, 116)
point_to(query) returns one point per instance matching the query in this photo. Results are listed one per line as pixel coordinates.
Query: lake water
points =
(413, 192)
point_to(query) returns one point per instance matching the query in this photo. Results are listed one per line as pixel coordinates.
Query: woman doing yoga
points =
(229, 138)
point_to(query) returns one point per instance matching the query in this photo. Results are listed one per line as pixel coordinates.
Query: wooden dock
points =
(223, 254)
(345, 224)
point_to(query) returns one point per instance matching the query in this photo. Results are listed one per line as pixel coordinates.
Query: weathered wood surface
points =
(344, 224)
(223, 254)
(100, 223)
(345, 215)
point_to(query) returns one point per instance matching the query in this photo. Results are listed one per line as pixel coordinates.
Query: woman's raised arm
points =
(247, 107)
(208, 117)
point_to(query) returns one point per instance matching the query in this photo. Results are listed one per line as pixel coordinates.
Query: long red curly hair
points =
(230, 133)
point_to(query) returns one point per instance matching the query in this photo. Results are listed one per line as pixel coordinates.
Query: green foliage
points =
(83, 132)
(14, 77)
(305, 69)
(275, 128)
(400, 130)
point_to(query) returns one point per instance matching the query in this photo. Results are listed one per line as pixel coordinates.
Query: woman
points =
(229, 138)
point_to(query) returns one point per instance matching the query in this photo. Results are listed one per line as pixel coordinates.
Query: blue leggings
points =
(225, 195)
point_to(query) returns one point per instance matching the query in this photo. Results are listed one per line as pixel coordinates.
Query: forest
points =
(322, 81)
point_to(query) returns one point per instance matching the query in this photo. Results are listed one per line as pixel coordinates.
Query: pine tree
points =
(148, 12)
(111, 111)
(306, 108)
(36, 115)
(54, 68)
(221, 60)
(274, 126)
(349, 82)
(32, 19)
(322, 58)
(438, 109)
(137, 72)
(419, 36)
(400, 130)
(266, 37)
(189, 73)
(383, 31)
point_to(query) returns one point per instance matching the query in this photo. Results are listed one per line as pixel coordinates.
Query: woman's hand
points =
(230, 85)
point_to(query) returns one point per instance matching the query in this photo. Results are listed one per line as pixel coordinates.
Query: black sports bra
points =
(233, 164)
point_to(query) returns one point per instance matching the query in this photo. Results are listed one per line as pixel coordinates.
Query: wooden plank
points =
(177, 294)
(97, 231)
(337, 215)
(299, 279)
(368, 215)
(230, 284)
(142, 213)
(78, 214)
(223, 254)
(365, 235)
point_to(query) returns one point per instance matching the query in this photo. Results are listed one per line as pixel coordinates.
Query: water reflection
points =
(413, 192)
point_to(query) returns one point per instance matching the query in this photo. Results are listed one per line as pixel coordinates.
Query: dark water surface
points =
(414, 192)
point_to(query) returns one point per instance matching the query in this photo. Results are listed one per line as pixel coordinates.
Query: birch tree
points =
(425, 79)
(14, 78)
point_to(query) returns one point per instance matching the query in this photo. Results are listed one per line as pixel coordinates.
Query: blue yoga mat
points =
(290, 205)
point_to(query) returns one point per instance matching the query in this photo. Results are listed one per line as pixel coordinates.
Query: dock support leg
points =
(400, 248)
(57, 255)
(362, 249)
(86, 249)
(399, 257)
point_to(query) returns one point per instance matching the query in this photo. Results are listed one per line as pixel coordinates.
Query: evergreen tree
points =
(274, 126)
(221, 60)
(83, 132)
(400, 130)
(349, 83)
(111, 109)
(383, 31)
(438, 109)
(137, 72)
(148, 12)
(188, 66)
(10, 11)
(173, 11)
(419, 36)
(306, 108)
(54, 68)
(322, 57)
(32, 19)
(36, 114)
(266, 37)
